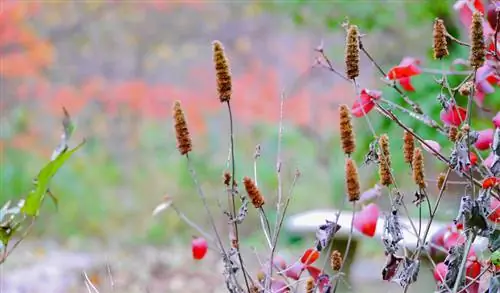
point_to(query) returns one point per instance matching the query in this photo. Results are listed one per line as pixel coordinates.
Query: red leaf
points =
(453, 116)
(402, 71)
(365, 221)
(365, 102)
(405, 82)
(495, 210)
(437, 239)
(473, 158)
(199, 247)
(314, 272)
(489, 182)
(465, 14)
(440, 272)
(485, 139)
(309, 256)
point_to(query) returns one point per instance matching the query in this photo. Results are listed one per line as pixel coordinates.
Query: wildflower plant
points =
(463, 270)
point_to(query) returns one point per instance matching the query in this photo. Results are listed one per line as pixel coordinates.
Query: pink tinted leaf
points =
(440, 272)
(405, 82)
(433, 145)
(496, 120)
(279, 286)
(485, 139)
(371, 194)
(454, 115)
(489, 160)
(309, 256)
(365, 221)
(295, 270)
(391, 266)
(452, 239)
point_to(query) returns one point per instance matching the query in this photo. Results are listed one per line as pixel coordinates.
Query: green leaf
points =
(35, 197)
(495, 258)
(494, 243)
(6, 233)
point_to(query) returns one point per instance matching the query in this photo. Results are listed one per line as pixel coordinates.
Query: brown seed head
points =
(222, 72)
(418, 168)
(184, 144)
(352, 180)
(440, 181)
(255, 289)
(253, 192)
(310, 285)
(466, 88)
(477, 49)
(384, 161)
(453, 134)
(227, 178)
(440, 45)
(408, 147)
(352, 52)
(336, 260)
(346, 132)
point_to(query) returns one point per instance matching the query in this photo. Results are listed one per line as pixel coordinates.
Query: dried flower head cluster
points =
(336, 260)
(352, 180)
(352, 52)
(477, 50)
(310, 285)
(440, 181)
(440, 45)
(346, 131)
(253, 192)
(184, 144)
(418, 168)
(384, 161)
(453, 134)
(466, 88)
(408, 146)
(222, 72)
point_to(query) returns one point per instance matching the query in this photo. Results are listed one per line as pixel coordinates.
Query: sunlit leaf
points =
(36, 196)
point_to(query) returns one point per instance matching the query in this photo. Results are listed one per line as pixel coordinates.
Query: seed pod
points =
(384, 161)
(352, 180)
(253, 192)
(408, 147)
(477, 49)
(184, 144)
(336, 260)
(352, 52)
(222, 72)
(440, 181)
(418, 168)
(440, 45)
(346, 131)
(466, 88)
(453, 134)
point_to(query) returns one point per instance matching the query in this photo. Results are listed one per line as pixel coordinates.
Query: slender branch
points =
(349, 239)
(25, 234)
(470, 240)
(457, 40)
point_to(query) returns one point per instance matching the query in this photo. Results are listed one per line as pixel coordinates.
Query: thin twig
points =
(470, 240)
(344, 260)
(456, 40)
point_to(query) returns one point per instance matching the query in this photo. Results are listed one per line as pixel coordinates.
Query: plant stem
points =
(468, 245)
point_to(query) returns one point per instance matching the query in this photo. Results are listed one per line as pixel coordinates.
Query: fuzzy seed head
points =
(310, 285)
(418, 168)
(253, 192)
(184, 144)
(408, 147)
(222, 72)
(440, 181)
(352, 52)
(466, 88)
(440, 45)
(352, 180)
(477, 50)
(336, 260)
(346, 132)
(453, 134)
(384, 161)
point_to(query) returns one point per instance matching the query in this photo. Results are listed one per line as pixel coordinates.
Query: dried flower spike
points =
(346, 132)
(440, 181)
(477, 50)
(408, 147)
(453, 134)
(418, 168)
(336, 260)
(184, 144)
(222, 72)
(466, 88)
(310, 285)
(440, 45)
(384, 161)
(253, 192)
(352, 52)
(352, 180)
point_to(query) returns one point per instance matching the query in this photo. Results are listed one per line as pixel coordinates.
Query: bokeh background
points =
(117, 67)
